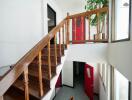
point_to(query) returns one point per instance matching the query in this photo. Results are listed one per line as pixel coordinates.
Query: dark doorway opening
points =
(78, 73)
(51, 20)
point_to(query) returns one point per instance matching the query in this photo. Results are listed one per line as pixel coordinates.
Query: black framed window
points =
(121, 18)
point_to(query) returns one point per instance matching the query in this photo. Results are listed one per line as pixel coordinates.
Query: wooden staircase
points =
(16, 91)
(29, 78)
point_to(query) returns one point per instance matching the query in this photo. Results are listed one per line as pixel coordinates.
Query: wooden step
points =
(44, 62)
(14, 94)
(45, 58)
(52, 51)
(33, 86)
(33, 71)
(62, 46)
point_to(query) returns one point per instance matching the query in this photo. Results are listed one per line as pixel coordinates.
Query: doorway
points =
(51, 20)
(78, 73)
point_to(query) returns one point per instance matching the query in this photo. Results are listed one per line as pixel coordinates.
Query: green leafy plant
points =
(94, 4)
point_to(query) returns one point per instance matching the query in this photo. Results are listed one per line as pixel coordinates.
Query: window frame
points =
(113, 24)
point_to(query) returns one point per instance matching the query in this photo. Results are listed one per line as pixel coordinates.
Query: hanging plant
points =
(95, 4)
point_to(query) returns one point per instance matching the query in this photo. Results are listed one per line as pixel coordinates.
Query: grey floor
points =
(77, 92)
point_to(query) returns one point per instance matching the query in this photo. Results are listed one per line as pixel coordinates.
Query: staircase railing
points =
(101, 34)
(61, 33)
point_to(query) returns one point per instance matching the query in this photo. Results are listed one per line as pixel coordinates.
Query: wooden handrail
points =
(87, 13)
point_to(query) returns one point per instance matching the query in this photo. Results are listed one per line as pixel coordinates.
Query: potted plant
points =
(95, 4)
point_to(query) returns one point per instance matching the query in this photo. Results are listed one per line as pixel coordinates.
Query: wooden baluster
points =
(55, 57)
(88, 27)
(66, 34)
(75, 28)
(97, 26)
(49, 61)
(40, 75)
(63, 36)
(82, 36)
(68, 29)
(1, 98)
(60, 43)
(26, 84)
(107, 28)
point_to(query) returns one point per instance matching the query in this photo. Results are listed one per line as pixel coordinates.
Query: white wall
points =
(22, 24)
(54, 5)
(102, 92)
(71, 6)
(89, 53)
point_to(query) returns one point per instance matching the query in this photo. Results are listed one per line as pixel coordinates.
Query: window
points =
(121, 20)
(121, 86)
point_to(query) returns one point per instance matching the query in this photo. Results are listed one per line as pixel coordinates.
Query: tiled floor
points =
(77, 92)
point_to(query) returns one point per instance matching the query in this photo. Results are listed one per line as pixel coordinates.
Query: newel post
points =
(26, 84)
(68, 29)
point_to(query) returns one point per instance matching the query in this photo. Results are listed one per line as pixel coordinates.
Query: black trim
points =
(129, 91)
(129, 28)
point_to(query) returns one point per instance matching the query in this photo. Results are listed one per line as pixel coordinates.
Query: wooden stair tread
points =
(33, 88)
(44, 74)
(44, 62)
(13, 94)
(36, 74)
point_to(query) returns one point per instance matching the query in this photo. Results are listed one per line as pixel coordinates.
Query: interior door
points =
(78, 30)
(88, 80)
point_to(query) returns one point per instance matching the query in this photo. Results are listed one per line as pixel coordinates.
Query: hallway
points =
(77, 92)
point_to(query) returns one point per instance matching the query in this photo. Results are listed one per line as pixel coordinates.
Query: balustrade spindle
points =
(40, 75)
(63, 35)
(68, 29)
(55, 57)
(75, 28)
(66, 34)
(49, 61)
(26, 84)
(88, 27)
(60, 43)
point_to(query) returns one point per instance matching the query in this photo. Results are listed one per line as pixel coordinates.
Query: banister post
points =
(55, 57)
(66, 33)
(49, 61)
(68, 29)
(60, 43)
(41, 92)
(26, 84)
(97, 35)
(63, 36)
(107, 26)
(89, 27)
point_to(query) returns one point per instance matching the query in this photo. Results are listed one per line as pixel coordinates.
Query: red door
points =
(78, 30)
(88, 80)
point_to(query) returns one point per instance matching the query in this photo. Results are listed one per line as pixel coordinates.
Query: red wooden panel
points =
(88, 81)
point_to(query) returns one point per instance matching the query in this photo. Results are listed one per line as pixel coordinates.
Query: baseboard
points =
(68, 86)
